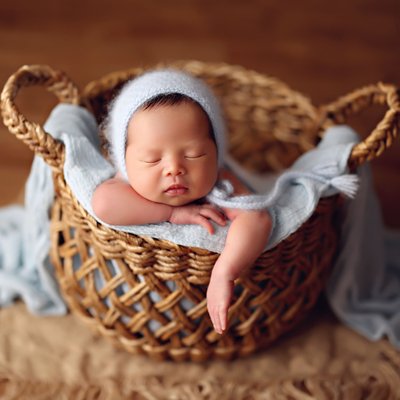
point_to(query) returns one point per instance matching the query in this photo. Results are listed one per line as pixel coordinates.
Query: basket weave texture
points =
(148, 295)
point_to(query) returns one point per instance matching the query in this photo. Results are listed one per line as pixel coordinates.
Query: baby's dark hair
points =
(172, 99)
(167, 99)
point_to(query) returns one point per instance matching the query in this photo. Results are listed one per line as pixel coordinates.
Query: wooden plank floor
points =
(322, 50)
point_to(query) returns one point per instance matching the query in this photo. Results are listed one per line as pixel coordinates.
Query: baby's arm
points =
(246, 239)
(116, 203)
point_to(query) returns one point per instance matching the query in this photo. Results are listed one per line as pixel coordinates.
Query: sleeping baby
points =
(166, 134)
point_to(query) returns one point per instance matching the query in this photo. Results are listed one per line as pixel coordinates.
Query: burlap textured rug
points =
(61, 358)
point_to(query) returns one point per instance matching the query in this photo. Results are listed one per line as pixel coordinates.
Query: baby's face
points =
(170, 156)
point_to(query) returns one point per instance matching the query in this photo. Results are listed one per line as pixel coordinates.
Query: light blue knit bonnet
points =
(148, 86)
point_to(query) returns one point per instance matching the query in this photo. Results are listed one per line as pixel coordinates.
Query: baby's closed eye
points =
(151, 160)
(193, 156)
(149, 157)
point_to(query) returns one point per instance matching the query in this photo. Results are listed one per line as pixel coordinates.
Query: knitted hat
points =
(148, 86)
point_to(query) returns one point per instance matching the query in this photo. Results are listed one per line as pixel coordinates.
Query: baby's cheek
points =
(139, 183)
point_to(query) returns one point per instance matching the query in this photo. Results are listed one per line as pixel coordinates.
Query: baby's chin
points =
(176, 201)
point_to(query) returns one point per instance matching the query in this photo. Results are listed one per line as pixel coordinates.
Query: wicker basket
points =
(147, 283)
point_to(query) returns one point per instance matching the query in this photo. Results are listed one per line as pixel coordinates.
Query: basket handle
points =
(31, 133)
(385, 132)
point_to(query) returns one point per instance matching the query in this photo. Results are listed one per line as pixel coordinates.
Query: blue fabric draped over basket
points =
(365, 284)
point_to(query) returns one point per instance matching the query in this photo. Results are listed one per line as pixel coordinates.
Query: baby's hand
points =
(219, 295)
(198, 214)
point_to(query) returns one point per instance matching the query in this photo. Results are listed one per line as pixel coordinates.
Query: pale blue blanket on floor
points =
(359, 298)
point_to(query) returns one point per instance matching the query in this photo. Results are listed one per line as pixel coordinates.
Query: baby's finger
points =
(222, 318)
(213, 208)
(210, 313)
(214, 215)
(214, 319)
(205, 223)
(218, 321)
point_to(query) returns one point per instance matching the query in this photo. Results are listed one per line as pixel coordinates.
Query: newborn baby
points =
(166, 134)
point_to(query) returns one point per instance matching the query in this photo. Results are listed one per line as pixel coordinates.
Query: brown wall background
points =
(322, 49)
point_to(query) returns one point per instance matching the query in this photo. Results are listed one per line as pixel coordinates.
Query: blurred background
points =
(321, 49)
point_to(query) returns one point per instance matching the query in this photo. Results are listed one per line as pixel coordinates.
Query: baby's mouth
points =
(176, 190)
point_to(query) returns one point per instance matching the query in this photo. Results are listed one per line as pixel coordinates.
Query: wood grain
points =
(321, 49)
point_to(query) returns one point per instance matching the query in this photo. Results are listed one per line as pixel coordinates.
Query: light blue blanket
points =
(362, 301)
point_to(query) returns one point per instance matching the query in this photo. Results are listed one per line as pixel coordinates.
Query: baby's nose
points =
(174, 167)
